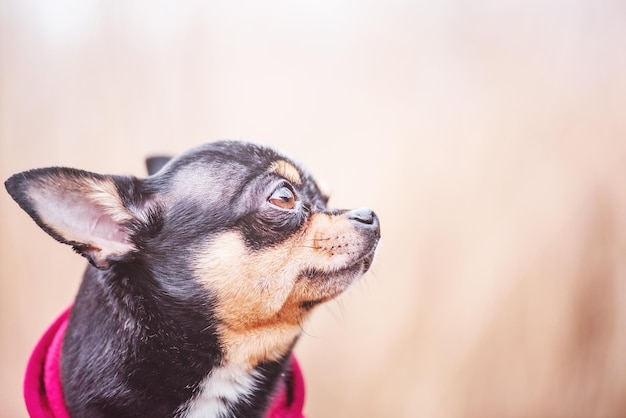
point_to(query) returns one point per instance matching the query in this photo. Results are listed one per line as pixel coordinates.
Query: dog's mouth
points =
(330, 283)
(358, 268)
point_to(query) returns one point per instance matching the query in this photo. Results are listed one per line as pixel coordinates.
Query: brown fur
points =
(287, 170)
(261, 314)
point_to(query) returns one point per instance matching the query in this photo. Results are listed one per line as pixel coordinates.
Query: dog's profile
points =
(201, 276)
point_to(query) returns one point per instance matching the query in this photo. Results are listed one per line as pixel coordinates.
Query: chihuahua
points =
(200, 278)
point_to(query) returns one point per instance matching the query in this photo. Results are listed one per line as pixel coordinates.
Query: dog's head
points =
(241, 224)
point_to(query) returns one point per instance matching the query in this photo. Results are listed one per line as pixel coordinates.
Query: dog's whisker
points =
(309, 246)
(333, 312)
(304, 331)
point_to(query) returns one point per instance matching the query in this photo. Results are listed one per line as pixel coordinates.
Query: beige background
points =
(490, 137)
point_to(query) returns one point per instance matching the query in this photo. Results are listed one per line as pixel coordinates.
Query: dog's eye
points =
(283, 197)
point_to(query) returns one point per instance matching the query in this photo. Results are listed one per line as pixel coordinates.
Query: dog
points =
(200, 277)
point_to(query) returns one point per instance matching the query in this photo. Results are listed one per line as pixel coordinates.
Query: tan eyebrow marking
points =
(286, 170)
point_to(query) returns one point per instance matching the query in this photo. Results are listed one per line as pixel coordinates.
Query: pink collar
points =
(43, 392)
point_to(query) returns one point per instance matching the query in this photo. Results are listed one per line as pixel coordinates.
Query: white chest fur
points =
(223, 387)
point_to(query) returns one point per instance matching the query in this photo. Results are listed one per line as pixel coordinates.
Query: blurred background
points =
(490, 138)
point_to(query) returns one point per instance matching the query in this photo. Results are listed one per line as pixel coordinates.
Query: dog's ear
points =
(155, 163)
(91, 212)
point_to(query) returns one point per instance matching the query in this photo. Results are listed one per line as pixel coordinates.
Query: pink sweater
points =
(43, 392)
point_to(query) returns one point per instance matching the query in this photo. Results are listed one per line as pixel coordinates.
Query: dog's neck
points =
(234, 391)
(221, 391)
(136, 349)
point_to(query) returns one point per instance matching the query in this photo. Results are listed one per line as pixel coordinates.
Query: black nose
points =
(366, 219)
(363, 215)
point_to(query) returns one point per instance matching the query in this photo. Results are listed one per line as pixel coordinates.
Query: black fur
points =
(163, 347)
(142, 335)
(146, 307)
